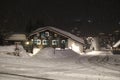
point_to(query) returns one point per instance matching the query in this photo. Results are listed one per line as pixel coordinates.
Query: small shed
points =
(15, 38)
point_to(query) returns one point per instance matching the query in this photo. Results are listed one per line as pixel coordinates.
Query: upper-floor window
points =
(42, 35)
(47, 34)
(35, 41)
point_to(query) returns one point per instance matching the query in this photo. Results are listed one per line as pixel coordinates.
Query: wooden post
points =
(16, 49)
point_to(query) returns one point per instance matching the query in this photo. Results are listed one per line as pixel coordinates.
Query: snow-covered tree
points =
(94, 43)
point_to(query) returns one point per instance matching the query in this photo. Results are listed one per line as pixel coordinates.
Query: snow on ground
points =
(52, 53)
(117, 44)
(11, 50)
(60, 65)
(105, 52)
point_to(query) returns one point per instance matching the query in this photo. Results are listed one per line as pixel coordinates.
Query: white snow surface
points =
(105, 52)
(52, 53)
(116, 44)
(11, 49)
(61, 65)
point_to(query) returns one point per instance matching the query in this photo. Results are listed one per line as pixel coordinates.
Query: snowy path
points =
(100, 65)
(72, 67)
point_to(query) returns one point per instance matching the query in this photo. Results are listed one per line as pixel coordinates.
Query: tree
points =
(94, 43)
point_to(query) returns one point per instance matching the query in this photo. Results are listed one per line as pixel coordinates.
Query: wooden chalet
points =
(56, 38)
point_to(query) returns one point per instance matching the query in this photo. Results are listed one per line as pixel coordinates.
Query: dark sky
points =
(87, 15)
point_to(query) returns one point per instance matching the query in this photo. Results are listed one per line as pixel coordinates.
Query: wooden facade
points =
(49, 38)
(56, 38)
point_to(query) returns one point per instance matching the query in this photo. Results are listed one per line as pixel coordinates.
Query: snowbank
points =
(52, 53)
(11, 50)
(99, 53)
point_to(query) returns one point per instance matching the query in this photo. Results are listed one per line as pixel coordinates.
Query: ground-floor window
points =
(35, 41)
(59, 43)
(63, 41)
(63, 44)
(38, 42)
(54, 42)
(44, 42)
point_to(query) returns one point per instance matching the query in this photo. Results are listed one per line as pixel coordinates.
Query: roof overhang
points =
(60, 32)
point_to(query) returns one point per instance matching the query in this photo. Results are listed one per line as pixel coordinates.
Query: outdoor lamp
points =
(27, 42)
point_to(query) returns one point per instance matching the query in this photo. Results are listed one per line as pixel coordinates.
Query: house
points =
(56, 38)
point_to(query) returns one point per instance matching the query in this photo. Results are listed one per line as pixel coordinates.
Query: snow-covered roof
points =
(116, 44)
(17, 37)
(59, 31)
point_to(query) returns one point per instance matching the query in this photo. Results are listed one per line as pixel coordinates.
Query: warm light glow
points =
(117, 44)
(27, 43)
(31, 39)
(75, 48)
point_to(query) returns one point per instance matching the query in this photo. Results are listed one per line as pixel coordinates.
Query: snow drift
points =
(52, 53)
(105, 52)
(11, 50)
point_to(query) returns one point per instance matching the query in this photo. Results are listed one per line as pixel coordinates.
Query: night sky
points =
(87, 15)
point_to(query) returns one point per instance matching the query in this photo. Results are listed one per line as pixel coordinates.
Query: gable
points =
(60, 32)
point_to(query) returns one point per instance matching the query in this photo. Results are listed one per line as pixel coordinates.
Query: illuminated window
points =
(31, 39)
(54, 42)
(44, 42)
(62, 44)
(63, 41)
(38, 42)
(35, 41)
(47, 34)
